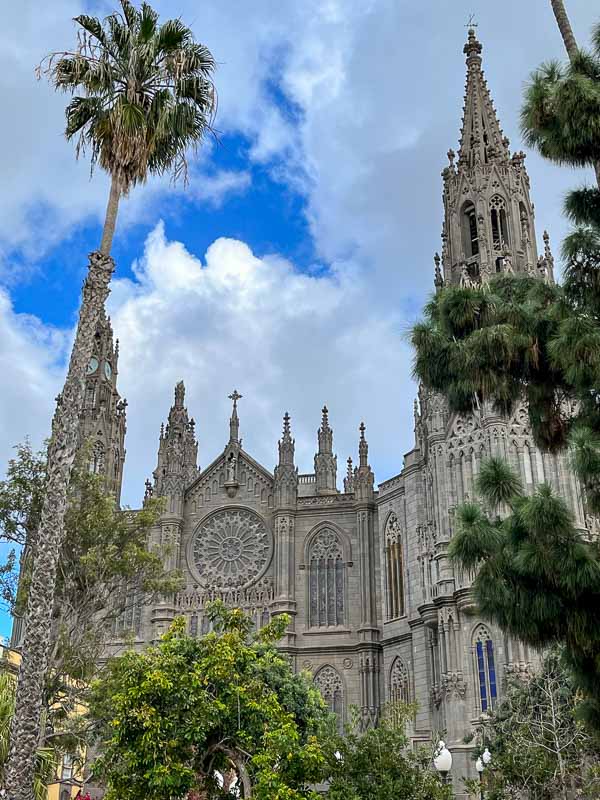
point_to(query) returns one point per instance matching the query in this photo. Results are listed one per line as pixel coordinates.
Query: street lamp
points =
(482, 762)
(442, 761)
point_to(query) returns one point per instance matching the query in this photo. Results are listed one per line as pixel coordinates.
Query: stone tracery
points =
(232, 548)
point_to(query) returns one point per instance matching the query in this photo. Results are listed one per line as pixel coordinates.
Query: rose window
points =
(231, 548)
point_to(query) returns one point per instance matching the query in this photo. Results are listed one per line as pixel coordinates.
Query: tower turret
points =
(325, 461)
(364, 479)
(489, 216)
(177, 452)
(102, 424)
(286, 496)
(176, 468)
(286, 473)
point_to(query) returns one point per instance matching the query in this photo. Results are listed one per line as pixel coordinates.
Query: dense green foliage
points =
(536, 575)
(378, 765)
(46, 758)
(540, 750)
(143, 92)
(228, 701)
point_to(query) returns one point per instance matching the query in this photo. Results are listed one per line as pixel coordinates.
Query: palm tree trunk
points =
(25, 729)
(566, 31)
(110, 220)
(564, 26)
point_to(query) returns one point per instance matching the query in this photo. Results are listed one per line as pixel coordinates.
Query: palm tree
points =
(142, 94)
(564, 26)
(568, 37)
(45, 759)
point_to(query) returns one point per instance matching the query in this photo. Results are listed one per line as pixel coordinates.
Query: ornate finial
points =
(438, 280)
(235, 396)
(234, 423)
(472, 48)
(149, 490)
(363, 447)
(349, 479)
(451, 156)
(286, 425)
(162, 430)
(325, 420)
(179, 394)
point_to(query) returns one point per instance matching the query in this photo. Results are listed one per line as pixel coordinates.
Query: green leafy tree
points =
(104, 562)
(540, 749)
(377, 765)
(142, 95)
(179, 713)
(536, 576)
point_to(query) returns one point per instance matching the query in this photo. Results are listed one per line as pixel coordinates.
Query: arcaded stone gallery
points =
(378, 612)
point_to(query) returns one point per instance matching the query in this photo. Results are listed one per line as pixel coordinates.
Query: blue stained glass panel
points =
(492, 668)
(482, 677)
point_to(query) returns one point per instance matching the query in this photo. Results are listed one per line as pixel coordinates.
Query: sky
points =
(297, 258)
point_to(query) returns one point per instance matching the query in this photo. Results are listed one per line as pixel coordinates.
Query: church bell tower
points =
(489, 217)
(103, 416)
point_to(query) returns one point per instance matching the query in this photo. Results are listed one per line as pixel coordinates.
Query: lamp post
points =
(442, 761)
(482, 762)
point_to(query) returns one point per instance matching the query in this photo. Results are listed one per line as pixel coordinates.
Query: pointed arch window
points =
(394, 568)
(485, 668)
(97, 459)
(329, 682)
(327, 580)
(470, 231)
(500, 235)
(399, 682)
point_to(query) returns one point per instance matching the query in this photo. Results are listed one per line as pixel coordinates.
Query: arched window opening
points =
(329, 683)
(500, 237)
(399, 683)
(394, 568)
(327, 580)
(485, 668)
(470, 232)
(97, 460)
(130, 619)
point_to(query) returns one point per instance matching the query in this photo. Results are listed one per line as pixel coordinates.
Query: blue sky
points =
(296, 260)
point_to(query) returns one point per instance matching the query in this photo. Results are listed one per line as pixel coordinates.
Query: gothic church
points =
(377, 610)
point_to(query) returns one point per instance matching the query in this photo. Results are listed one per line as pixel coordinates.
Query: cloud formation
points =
(351, 104)
(287, 340)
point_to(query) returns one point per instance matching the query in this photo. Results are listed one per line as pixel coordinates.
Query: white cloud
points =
(30, 355)
(286, 340)
(374, 92)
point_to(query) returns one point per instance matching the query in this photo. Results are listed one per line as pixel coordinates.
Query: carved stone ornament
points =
(453, 686)
(347, 663)
(231, 548)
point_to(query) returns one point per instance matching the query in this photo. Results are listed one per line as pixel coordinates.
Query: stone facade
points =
(378, 612)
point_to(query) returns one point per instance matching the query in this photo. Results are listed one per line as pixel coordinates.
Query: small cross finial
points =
(235, 396)
(471, 24)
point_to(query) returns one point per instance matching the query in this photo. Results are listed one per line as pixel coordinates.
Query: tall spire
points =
(234, 422)
(489, 220)
(482, 140)
(177, 449)
(325, 461)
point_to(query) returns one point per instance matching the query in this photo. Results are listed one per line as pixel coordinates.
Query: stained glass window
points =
(326, 580)
(485, 668)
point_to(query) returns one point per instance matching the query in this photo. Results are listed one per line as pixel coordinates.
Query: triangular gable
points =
(246, 466)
